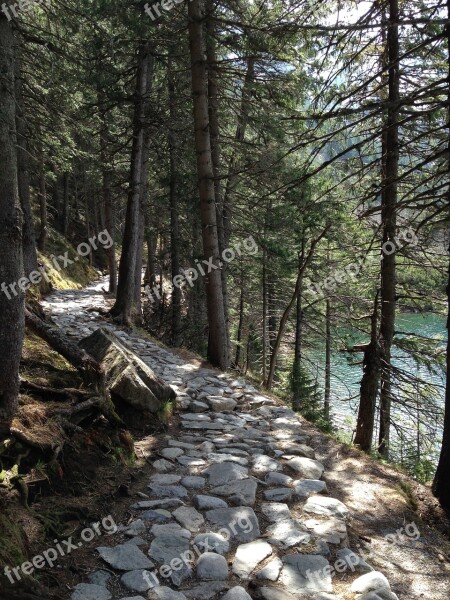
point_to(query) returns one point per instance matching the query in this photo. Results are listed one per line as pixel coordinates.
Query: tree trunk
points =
(11, 255)
(297, 364)
(441, 483)
(218, 344)
(369, 388)
(240, 324)
(23, 162)
(174, 217)
(108, 208)
(127, 306)
(389, 221)
(327, 393)
(43, 232)
(66, 204)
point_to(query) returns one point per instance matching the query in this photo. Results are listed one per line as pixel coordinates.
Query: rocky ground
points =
(236, 505)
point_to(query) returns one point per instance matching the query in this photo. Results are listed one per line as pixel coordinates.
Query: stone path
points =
(237, 505)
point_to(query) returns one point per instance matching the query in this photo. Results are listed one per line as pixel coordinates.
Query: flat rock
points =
(298, 450)
(90, 591)
(165, 593)
(216, 457)
(353, 561)
(369, 582)
(220, 404)
(193, 482)
(276, 511)
(272, 593)
(168, 547)
(162, 479)
(328, 507)
(306, 487)
(189, 518)
(333, 531)
(240, 493)
(170, 528)
(241, 523)
(137, 581)
(264, 464)
(209, 502)
(278, 494)
(248, 556)
(190, 461)
(271, 571)
(168, 491)
(306, 573)
(156, 516)
(211, 542)
(379, 594)
(163, 466)
(154, 504)
(220, 474)
(276, 478)
(198, 407)
(99, 577)
(125, 557)
(212, 566)
(237, 593)
(306, 467)
(135, 528)
(286, 534)
(171, 453)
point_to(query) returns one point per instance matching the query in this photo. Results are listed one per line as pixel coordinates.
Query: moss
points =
(12, 542)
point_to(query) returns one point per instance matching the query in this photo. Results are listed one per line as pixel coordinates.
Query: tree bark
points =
(127, 307)
(43, 232)
(441, 483)
(11, 255)
(23, 162)
(327, 392)
(218, 344)
(389, 220)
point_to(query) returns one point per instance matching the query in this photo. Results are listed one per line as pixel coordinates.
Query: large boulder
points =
(128, 378)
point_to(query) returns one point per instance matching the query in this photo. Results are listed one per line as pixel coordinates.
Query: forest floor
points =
(392, 522)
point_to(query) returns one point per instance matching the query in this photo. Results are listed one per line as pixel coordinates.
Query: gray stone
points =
(276, 478)
(234, 451)
(170, 528)
(184, 445)
(248, 556)
(278, 494)
(286, 534)
(190, 461)
(198, 407)
(271, 571)
(241, 523)
(276, 511)
(171, 453)
(168, 546)
(211, 542)
(156, 516)
(137, 581)
(165, 593)
(163, 466)
(220, 404)
(209, 502)
(154, 504)
(264, 464)
(189, 518)
(193, 482)
(333, 531)
(134, 598)
(214, 458)
(306, 487)
(237, 593)
(354, 562)
(370, 582)
(298, 450)
(135, 528)
(297, 567)
(328, 507)
(272, 593)
(90, 591)
(220, 474)
(379, 594)
(212, 566)
(306, 467)
(196, 417)
(168, 491)
(205, 591)
(240, 493)
(161, 479)
(124, 557)
(99, 577)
